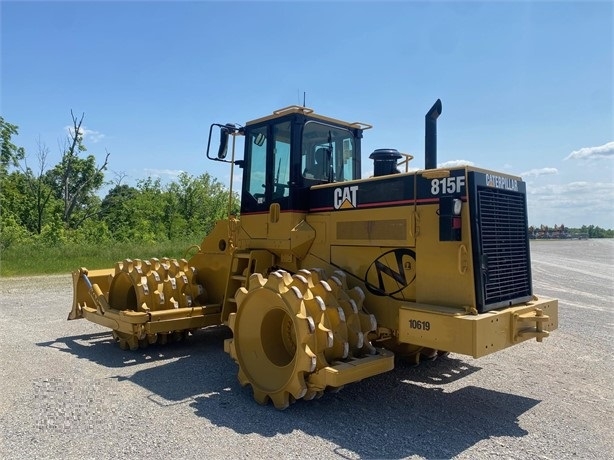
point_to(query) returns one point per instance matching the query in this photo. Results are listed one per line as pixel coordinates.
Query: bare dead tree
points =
(41, 192)
(78, 176)
(119, 177)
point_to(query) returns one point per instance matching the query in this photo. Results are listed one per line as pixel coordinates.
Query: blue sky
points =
(527, 87)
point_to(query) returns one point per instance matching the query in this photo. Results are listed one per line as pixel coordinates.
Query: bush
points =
(11, 232)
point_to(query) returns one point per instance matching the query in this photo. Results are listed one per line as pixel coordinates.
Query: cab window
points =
(269, 170)
(257, 172)
(281, 160)
(328, 153)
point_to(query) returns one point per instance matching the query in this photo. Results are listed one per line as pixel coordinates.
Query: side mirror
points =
(223, 148)
(225, 132)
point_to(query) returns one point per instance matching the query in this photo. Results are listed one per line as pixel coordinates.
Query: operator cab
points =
(288, 152)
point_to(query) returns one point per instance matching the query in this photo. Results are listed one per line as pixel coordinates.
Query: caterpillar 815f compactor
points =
(326, 276)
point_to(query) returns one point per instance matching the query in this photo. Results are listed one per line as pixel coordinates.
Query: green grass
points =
(28, 260)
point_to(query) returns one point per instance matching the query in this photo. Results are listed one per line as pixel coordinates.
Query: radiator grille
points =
(505, 264)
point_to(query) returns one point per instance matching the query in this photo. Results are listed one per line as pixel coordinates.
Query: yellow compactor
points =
(326, 276)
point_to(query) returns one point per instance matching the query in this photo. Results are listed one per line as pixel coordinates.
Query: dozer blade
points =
(83, 282)
(140, 300)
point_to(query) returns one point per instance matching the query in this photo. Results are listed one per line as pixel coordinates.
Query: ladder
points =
(242, 266)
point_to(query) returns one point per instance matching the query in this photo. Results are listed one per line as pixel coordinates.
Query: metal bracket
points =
(531, 324)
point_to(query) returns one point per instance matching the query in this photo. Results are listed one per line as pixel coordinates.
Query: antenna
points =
(304, 93)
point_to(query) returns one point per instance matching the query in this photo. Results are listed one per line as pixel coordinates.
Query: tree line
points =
(563, 232)
(61, 203)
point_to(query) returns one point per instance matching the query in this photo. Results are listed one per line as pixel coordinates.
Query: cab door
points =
(267, 178)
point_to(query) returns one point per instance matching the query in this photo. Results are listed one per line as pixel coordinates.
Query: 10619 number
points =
(420, 325)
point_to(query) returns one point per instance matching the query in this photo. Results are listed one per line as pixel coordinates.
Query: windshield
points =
(328, 153)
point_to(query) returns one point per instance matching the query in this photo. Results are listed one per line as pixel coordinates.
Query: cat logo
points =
(345, 197)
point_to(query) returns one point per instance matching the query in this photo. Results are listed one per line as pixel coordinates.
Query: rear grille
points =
(504, 248)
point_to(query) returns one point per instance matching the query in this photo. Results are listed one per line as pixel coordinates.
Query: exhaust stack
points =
(430, 136)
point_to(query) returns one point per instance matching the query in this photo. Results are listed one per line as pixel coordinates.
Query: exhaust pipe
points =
(430, 136)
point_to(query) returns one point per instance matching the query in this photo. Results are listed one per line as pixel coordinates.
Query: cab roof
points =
(311, 113)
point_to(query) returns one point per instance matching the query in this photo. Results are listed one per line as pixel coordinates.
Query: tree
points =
(13, 209)
(12, 201)
(38, 188)
(202, 201)
(10, 154)
(135, 214)
(75, 180)
(188, 207)
(118, 211)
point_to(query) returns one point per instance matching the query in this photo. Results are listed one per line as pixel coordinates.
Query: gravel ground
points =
(68, 392)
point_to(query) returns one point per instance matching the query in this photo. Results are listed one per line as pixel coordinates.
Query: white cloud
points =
(589, 153)
(573, 204)
(89, 135)
(539, 172)
(93, 136)
(600, 191)
(69, 130)
(163, 172)
(453, 163)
